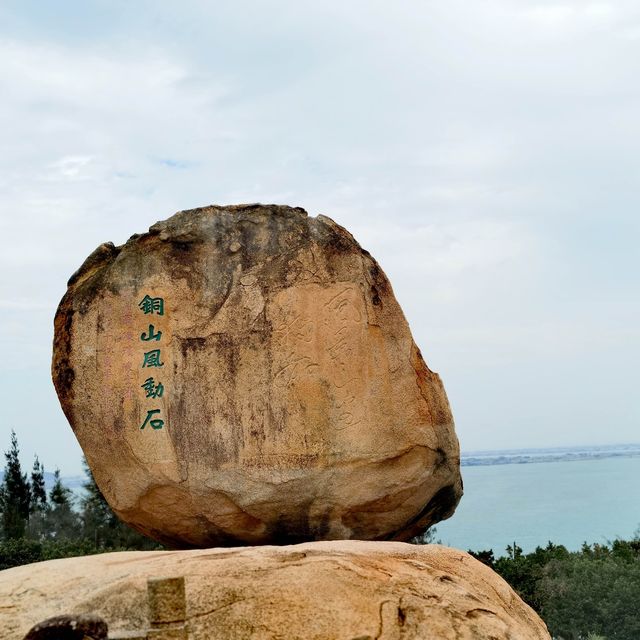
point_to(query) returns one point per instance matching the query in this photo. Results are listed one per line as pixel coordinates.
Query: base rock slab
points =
(342, 590)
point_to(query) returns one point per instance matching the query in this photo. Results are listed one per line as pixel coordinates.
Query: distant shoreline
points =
(488, 458)
(556, 454)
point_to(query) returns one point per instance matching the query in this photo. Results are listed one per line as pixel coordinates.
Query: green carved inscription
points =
(152, 305)
(156, 423)
(152, 359)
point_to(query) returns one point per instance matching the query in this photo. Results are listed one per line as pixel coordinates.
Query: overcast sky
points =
(487, 154)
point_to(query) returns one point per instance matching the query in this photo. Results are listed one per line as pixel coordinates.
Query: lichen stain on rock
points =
(292, 385)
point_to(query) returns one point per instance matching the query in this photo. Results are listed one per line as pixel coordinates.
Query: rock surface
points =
(244, 375)
(325, 590)
(67, 627)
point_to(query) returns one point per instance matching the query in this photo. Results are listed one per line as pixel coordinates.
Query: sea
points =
(529, 497)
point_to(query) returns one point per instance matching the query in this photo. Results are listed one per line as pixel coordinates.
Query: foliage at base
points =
(590, 594)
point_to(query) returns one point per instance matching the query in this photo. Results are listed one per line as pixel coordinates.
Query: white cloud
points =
(571, 16)
(484, 152)
(450, 249)
(23, 305)
(552, 16)
(69, 168)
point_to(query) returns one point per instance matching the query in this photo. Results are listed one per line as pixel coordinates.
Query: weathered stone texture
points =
(340, 590)
(296, 405)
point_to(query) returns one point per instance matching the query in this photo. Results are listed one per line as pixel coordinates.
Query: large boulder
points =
(341, 590)
(244, 375)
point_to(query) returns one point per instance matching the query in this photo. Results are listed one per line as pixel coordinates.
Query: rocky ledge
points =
(342, 590)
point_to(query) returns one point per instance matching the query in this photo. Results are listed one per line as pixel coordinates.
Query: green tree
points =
(524, 571)
(101, 526)
(38, 490)
(426, 537)
(61, 521)
(15, 494)
(96, 515)
(38, 505)
(486, 557)
(592, 595)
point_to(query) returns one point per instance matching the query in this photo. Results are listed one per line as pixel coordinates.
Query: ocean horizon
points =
(548, 454)
(566, 495)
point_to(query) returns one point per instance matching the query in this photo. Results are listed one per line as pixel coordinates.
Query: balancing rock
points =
(243, 375)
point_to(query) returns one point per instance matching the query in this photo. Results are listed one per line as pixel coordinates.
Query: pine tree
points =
(38, 490)
(97, 517)
(15, 494)
(101, 525)
(61, 520)
(59, 494)
(38, 505)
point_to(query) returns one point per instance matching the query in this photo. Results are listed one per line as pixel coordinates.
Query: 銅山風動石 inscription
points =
(153, 389)
(155, 424)
(152, 334)
(152, 359)
(152, 305)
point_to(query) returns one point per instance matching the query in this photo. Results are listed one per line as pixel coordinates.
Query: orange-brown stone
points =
(244, 375)
(338, 590)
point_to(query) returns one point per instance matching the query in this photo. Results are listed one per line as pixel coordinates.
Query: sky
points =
(486, 153)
